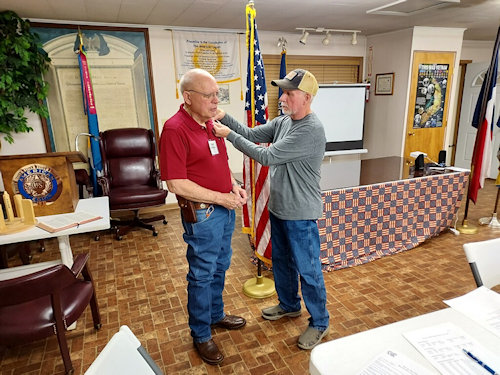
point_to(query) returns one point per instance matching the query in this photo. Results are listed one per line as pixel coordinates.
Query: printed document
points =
(481, 305)
(442, 345)
(390, 362)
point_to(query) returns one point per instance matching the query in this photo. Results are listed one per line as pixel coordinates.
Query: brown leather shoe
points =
(231, 322)
(209, 352)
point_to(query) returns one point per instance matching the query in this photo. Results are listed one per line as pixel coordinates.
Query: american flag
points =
(483, 120)
(256, 177)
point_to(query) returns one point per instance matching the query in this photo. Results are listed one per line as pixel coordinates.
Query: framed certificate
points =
(120, 67)
(384, 84)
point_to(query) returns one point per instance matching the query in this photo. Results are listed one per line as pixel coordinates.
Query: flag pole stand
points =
(465, 227)
(492, 221)
(260, 286)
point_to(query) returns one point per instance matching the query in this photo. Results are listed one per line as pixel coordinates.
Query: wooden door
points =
(431, 77)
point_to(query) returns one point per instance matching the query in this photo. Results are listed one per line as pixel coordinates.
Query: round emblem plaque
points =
(37, 182)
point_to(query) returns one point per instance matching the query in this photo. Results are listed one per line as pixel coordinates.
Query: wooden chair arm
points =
(104, 182)
(157, 179)
(79, 263)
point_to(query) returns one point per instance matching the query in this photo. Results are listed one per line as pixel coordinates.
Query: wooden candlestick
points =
(29, 212)
(24, 208)
(19, 207)
(8, 206)
(3, 227)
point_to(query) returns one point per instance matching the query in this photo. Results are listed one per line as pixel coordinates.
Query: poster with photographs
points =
(431, 94)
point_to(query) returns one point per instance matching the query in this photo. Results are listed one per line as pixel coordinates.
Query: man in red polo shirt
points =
(194, 164)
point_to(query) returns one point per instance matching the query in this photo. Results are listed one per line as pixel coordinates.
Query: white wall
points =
(26, 143)
(384, 116)
(477, 51)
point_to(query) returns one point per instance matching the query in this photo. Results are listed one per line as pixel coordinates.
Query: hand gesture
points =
(220, 114)
(221, 130)
(231, 201)
(241, 193)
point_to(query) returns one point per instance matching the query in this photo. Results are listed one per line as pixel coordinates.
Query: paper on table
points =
(481, 305)
(390, 362)
(442, 345)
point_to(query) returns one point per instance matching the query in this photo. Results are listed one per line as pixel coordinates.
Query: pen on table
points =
(480, 363)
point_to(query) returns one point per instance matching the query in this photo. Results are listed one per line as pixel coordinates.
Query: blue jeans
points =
(209, 256)
(296, 254)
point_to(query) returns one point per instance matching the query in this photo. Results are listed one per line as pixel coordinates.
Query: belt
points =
(200, 205)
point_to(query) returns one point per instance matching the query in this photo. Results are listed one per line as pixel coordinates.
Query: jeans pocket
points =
(204, 214)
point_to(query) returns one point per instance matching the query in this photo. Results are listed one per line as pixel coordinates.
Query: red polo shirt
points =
(185, 153)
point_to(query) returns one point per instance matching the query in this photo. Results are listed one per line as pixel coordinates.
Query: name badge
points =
(213, 147)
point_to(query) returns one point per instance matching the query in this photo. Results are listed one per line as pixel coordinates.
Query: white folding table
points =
(97, 206)
(350, 354)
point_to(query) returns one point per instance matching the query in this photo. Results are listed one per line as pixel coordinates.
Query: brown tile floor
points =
(141, 283)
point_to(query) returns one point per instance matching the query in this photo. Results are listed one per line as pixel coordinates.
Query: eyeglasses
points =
(212, 95)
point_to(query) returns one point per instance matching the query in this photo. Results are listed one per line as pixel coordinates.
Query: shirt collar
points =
(191, 123)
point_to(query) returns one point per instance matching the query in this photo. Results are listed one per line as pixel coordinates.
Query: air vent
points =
(409, 8)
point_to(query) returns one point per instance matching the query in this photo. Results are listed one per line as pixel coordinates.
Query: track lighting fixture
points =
(354, 39)
(326, 40)
(303, 39)
(328, 34)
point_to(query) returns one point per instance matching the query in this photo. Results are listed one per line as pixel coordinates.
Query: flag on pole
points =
(497, 181)
(282, 75)
(483, 120)
(90, 110)
(256, 177)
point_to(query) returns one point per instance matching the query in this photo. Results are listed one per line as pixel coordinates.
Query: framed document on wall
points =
(120, 72)
(384, 84)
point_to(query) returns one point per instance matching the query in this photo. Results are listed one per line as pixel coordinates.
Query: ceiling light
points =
(305, 34)
(354, 39)
(328, 34)
(326, 40)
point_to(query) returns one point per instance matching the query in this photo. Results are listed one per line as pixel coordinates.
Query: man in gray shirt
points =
(295, 156)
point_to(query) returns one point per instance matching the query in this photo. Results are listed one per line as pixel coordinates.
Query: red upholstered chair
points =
(83, 179)
(6, 251)
(45, 303)
(130, 177)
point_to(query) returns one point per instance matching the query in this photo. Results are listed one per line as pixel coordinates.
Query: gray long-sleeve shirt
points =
(294, 158)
